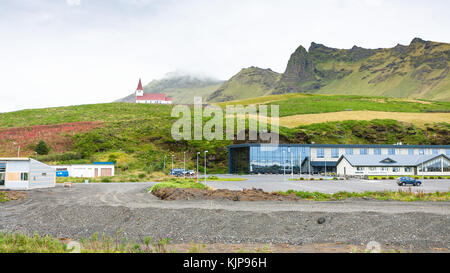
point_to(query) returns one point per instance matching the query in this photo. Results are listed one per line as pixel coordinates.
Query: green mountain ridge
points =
(249, 82)
(417, 71)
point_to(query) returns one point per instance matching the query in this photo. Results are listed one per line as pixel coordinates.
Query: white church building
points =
(153, 98)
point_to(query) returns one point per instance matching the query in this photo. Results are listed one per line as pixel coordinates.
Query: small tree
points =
(41, 148)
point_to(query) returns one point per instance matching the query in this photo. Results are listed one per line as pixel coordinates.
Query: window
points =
(44, 174)
(421, 152)
(349, 151)
(2, 167)
(411, 151)
(407, 169)
(360, 168)
(334, 153)
(384, 169)
(363, 151)
(391, 151)
(447, 152)
(436, 165)
(24, 176)
(377, 151)
(435, 151)
(372, 168)
(395, 169)
(320, 153)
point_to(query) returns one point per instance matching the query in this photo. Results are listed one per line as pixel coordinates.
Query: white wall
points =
(85, 170)
(370, 151)
(41, 175)
(19, 166)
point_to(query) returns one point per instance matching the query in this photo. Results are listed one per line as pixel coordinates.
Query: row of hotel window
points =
(376, 151)
(406, 169)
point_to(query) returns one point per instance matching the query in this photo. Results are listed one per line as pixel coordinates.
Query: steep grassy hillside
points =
(419, 70)
(249, 82)
(182, 88)
(137, 136)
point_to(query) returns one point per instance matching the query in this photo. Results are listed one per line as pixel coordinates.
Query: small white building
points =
(97, 169)
(25, 174)
(394, 165)
(151, 98)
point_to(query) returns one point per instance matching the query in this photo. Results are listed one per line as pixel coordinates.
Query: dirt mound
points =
(171, 194)
(14, 195)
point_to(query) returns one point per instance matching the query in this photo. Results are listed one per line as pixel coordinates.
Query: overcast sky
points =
(66, 52)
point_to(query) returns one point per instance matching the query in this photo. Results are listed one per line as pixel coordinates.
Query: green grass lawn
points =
(325, 104)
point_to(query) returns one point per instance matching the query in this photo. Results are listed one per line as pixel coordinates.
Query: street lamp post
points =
(284, 166)
(172, 162)
(18, 148)
(205, 167)
(198, 153)
(292, 168)
(164, 168)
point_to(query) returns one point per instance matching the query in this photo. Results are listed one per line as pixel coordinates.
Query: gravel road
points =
(106, 208)
(282, 183)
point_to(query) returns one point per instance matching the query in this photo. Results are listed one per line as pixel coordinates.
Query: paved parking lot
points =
(282, 183)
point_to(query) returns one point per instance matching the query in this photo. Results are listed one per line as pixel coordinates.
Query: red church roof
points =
(153, 96)
(139, 85)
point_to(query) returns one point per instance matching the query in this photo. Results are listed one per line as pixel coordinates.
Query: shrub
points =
(213, 177)
(375, 178)
(391, 177)
(142, 175)
(106, 179)
(42, 148)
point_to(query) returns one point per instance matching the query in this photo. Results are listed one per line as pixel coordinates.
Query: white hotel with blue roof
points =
(342, 159)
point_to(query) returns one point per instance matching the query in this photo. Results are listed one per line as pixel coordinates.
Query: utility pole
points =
(172, 162)
(205, 167)
(198, 153)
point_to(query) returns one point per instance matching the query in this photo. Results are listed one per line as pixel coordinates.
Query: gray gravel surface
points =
(282, 183)
(106, 208)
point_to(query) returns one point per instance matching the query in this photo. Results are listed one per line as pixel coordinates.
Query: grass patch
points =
(19, 243)
(400, 195)
(383, 177)
(215, 178)
(177, 183)
(3, 197)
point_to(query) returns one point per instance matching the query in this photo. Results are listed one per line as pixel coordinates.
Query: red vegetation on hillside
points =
(58, 137)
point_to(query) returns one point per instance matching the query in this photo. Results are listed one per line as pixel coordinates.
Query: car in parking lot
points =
(177, 172)
(182, 172)
(403, 181)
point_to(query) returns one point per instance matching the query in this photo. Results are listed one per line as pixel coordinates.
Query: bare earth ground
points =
(83, 210)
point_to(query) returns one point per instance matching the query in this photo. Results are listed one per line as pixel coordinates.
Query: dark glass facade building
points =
(311, 158)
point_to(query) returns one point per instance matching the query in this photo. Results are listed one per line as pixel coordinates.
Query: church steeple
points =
(139, 90)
